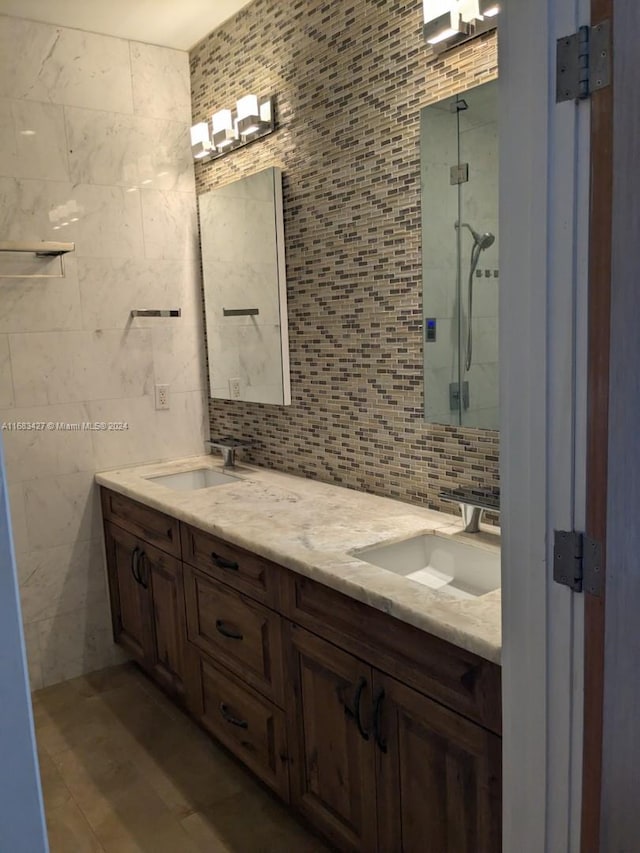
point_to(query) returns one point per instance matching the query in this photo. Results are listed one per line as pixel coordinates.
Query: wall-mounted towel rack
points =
(39, 248)
(240, 312)
(156, 312)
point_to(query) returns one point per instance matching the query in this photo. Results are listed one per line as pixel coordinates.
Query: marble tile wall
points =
(94, 148)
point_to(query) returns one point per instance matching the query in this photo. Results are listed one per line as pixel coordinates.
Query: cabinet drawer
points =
(240, 633)
(462, 681)
(246, 723)
(234, 566)
(155, 527)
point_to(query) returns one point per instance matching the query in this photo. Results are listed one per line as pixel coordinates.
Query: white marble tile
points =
(182, 429)
(62, 510)
(109, 225)
(39, 305)
(48, 448)
(41, 62)
(61, 580)
(161, 84)
(40, 141)
(62, 367)
(485, 340)
(112, 448)
(35, 210)
(443, 351)
(129, 151)
(178, 357)
(6, 379)
(8, 143)
(75, 643)
(34, 658)
(18, 519)
(170, 229)
(110, 288)
(241, 284)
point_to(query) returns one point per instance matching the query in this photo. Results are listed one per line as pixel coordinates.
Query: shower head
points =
(482, 241)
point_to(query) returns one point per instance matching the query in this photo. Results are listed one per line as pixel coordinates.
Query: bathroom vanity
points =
(367, 701)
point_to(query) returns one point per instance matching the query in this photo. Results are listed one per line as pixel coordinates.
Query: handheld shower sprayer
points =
(480, 243)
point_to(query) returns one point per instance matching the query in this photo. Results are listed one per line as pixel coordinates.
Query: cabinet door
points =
(130, 611)
(438, 776)
(162, 575)
(333, 761)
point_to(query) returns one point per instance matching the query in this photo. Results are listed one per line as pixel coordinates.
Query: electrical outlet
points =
(234, 389)
(162, 396)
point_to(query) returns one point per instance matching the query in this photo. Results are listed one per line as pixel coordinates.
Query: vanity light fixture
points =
(448, 23)
(252, 119)
(489, 8)
(200, 140)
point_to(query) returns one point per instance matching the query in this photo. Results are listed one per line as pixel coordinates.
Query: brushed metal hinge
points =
(583, 62)
(577, 561)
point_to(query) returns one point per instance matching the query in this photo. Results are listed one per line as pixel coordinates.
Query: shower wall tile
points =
(55, 581)
(40, 304)
(6, 379)
(62, 367)
(41, 62)
(50, 449)
(111, 287)
(172, 99)
(170, 225)
(61, 510)
(68, 346)
(351, 80)
(129, 150)
(18, 519)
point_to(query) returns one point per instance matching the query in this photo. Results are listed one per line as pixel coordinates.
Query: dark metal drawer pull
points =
(229, 718)
(227, 632)
(141, 559)
(377, 714)
(354, 712)
(223, 563)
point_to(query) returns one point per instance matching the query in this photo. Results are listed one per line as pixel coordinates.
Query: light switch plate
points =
(234, 389)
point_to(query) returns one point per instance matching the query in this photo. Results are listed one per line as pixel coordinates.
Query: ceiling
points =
(171, 23)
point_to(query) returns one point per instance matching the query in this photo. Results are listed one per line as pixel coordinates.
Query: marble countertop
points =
(313, 528)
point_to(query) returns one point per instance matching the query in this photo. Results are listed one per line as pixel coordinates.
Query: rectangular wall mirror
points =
(460, 270)
(245, 289)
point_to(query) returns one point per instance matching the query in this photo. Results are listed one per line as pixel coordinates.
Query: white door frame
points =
(544, 206)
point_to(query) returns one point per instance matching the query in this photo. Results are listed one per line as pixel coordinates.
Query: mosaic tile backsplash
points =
(349, 79)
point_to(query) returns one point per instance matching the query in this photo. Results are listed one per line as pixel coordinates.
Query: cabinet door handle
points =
(143, 583)
(227, 632)
(223, 563)
(135, 556)
(229, 718)
(377, 713)
(170, 534)
(354, 712)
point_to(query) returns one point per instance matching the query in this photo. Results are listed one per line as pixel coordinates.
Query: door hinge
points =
(583, 62)
(577, 561)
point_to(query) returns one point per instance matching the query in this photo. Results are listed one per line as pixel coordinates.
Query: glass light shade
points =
(247, 107)
(469, 10)
(433, 9)
(222, 120)
(200, 140)
(443, 28)
(489, 8)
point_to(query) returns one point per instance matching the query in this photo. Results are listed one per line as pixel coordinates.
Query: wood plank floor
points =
(125, 771)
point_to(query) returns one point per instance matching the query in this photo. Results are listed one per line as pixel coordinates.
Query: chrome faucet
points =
(227, 446)
(473, 504)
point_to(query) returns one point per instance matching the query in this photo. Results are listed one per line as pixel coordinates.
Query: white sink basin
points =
(453, 568)
(199, 478)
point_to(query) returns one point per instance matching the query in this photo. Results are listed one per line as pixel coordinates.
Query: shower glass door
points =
(460, 271)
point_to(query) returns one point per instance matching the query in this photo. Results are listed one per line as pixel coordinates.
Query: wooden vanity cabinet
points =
(147, 606)
(332, 761)
(386, 738)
